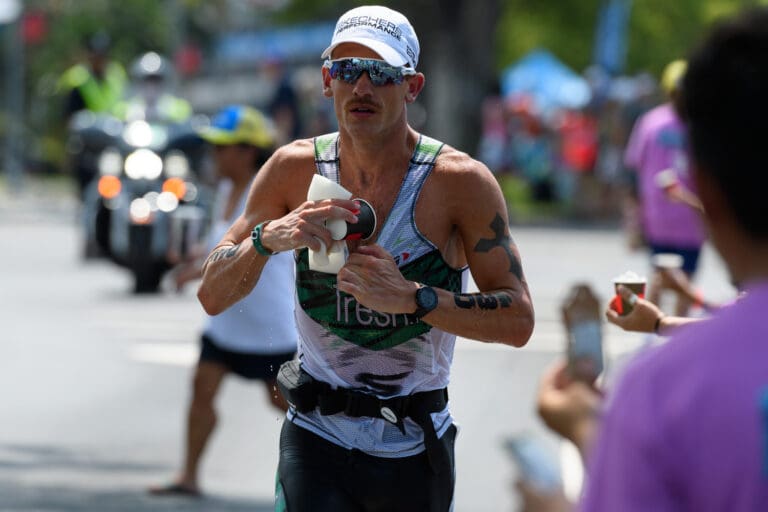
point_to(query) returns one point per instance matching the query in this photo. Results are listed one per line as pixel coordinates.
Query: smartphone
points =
(538, 465)
(585, 350)
(582, 320)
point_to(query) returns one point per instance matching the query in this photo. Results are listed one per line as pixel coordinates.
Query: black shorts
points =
(315, 475)
(249, 366)
(690, 255)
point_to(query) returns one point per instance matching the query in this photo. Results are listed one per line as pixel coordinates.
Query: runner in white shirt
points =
(258, 333)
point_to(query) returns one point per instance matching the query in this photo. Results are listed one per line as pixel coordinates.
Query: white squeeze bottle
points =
(329, 260)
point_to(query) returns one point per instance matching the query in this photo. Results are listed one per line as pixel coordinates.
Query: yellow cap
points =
(672, 74)
(239, 124)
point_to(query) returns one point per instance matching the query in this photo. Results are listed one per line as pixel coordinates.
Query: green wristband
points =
(256, 239)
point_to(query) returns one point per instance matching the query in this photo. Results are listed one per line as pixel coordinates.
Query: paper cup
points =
(632, 281)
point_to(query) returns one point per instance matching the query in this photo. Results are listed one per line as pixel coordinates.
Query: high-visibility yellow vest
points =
(169, 108)
(98, 95)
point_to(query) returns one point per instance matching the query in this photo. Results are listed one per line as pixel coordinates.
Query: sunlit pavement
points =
(95, 380)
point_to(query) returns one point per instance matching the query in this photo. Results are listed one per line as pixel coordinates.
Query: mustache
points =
(362, 102)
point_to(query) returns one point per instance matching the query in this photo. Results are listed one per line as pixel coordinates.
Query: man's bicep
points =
(491, 252)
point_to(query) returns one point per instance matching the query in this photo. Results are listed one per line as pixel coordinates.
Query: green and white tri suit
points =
(348, 345)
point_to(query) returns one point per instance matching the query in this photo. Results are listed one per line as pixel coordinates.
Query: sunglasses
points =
(381, 73)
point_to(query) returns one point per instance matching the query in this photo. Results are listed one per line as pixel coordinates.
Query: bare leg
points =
(201, 418)
(275, 397)
(682, 305)
(654, 288)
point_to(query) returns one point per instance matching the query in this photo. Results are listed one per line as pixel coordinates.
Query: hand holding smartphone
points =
(582, 318)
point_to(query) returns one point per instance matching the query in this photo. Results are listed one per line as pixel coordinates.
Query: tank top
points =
(348, 345)
(263, 321)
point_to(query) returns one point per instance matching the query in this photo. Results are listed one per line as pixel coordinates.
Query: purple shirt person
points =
(686, 427)
(681, 429)
(657, 143)
(657, 151)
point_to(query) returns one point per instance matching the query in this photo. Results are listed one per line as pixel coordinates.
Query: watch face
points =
(426, 298)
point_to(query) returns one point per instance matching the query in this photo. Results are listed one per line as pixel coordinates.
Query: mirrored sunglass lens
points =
(350, 70)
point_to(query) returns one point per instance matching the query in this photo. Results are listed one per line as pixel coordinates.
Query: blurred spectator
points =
(284, 105)
(657, 147)
(253, 338)
(95, 85)
(578, 138)
(531, 146)
(493, 140)
(675, 435)
(98, 83)
(609, 165)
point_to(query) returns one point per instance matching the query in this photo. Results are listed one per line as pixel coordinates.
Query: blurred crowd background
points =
(545, 93)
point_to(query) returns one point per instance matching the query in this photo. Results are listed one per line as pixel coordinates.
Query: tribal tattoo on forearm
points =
(494, 300)
(504, 240)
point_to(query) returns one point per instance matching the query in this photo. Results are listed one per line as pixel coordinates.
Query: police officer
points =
(97, 84)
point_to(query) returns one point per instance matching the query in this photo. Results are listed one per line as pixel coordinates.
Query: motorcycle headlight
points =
(110, 162)
(143, 163)
(176, 164)
(138, 133)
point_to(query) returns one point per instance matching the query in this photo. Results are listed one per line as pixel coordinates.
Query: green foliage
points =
(565, 27)
(659, 30)
(135, 26)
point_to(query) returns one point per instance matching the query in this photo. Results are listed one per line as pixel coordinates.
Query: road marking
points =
(174, 354)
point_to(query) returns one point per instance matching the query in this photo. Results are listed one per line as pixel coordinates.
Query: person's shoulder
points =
(298, 151)
(661, 116)
(291, 164)
(461, 180)
(74, 76)
(456, 163)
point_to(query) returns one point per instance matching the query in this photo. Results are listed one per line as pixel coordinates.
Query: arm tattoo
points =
(223, 252)
(504, 240)
(493, 300)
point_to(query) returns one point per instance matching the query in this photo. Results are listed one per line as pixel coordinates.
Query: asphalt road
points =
(94, 380)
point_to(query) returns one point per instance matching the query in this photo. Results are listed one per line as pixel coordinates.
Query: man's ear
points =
(415, 86)
(327, 92)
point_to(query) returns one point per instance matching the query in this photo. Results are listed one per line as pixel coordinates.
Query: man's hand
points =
(305, 226)
(643, 316)
(372, 277)
(569, 407)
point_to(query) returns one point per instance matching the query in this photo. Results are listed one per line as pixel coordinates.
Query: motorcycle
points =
(149, 203)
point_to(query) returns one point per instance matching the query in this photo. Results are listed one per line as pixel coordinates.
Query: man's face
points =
(98, 62)
(231, 159)
(362, 107)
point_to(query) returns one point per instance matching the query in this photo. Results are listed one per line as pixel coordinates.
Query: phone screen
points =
(585, 350)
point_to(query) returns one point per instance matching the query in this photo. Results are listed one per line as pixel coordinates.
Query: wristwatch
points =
(426, 301)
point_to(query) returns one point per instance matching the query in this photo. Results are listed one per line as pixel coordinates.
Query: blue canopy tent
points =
(547, 81)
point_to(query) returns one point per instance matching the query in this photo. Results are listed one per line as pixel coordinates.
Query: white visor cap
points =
(381, 29)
